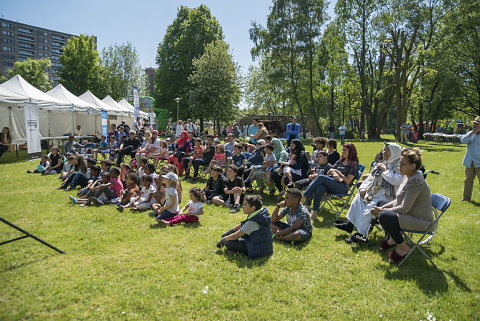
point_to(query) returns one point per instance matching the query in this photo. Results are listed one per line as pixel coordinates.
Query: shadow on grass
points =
(294, 245)
(475, 203)
(27, 263)
(242, 260)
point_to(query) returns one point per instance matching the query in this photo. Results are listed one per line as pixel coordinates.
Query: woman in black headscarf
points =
(299, 165)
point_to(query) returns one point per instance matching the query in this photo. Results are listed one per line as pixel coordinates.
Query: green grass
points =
(124, 266)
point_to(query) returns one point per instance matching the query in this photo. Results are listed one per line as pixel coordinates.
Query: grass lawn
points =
(125, 266)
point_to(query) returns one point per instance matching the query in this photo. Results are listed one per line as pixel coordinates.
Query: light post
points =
(177, 100)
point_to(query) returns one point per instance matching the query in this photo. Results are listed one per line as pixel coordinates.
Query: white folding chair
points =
(440, 204)
(338, 202)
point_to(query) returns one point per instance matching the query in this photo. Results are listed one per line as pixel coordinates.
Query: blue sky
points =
(142, 22)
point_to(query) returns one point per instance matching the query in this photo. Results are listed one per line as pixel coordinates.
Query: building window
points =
(5, 40)
(8, 49)
(58, 44)
(42, 33)
(42, 54)
(42, 40)
(25, 38)
(42, 48)
(56, 64)
(8, 64)
(7, 33)
(25, 45)
(57, 37)
(55, 58)
(25, 30)
(57, 51)
(25, 53)
(8, 25)
(22, 58)
(8, 56)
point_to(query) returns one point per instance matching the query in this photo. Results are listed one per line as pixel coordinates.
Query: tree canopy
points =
(34, 71)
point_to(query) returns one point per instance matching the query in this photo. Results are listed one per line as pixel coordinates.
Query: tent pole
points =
(49, 123)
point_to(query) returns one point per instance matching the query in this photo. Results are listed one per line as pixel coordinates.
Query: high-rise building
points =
(150, 72)
(20, 41)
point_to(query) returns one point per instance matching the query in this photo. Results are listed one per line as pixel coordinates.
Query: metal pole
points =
(177, 111)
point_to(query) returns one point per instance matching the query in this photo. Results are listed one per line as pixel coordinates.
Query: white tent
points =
(126, 104)
(84, 114)
(110, 101)
(53, 113)
(9, 98)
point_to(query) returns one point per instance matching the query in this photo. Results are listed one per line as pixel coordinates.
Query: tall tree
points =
(290, 39)
(33, 71)
(215, 85)
(184, 41)
(81, 66)
(122, 70)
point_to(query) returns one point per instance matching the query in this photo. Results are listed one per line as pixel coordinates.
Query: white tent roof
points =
(20, 86)
(125, 103)
(92, 99)
(110, 101)
(61, 93)
(9, 98)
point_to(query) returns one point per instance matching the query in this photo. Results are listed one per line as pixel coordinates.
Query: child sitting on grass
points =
(170, 207)
(194, 207)
(142, 162)
(56, 161)
(144, 199)
(131, 191)
(253, 236)
(162, 154)
(94, 178)
(68, 167)
(233, 189)
(93, 190)
(105, 166)
(269, 160)
(109, 191)
(218, 159)
(215, 183)
(44, 163)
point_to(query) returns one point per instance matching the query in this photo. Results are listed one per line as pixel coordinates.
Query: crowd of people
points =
(141, 172)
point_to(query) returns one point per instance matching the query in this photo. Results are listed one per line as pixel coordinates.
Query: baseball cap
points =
(171, 176)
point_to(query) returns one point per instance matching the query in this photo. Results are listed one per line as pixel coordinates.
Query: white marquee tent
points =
(126, 104)
(52, 112)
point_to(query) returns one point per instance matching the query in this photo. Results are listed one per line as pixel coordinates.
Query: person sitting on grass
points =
(269, 160)
(113, 145)
(194, 207)
(253, 236)
(130, 191)
(125, 169)
(109, 191)
(56, 161)
(92, 192)
(318, 167)
(219, 158)
(170, 206)
(68, 167)
(44, 163)
(162, 153)
(237, 158)
(255, 159)
(80, 175)
(233, 189)
(105, 166)
(215, 183)
(142, 163)
(144, 199)
(102, 148)
(94, 178)
(299, 226)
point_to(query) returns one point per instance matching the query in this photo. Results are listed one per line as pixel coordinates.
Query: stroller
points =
(358, 238)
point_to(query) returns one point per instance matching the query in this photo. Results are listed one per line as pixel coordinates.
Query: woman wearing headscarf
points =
(301, 165)
(182, 149)
(378, 189)
(280, 154)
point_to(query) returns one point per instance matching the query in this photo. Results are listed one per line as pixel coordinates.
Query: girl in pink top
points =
(219, 158)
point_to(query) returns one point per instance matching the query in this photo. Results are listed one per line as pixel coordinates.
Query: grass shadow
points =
(294, 245)
(17, 266)
(475, 203)
(192, 225)
(242, 260)
(157, 226)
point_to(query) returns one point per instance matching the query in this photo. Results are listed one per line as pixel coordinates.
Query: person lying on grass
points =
(253, 236)
(144, 199)
(93, 190)
(233, 189)
(194, 207)
(170, 207)
(298, 227)
(109, 191)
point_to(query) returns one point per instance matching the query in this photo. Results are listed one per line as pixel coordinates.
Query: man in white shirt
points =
(179, 128)
(190, 127)
(342, 130)
(229, 143)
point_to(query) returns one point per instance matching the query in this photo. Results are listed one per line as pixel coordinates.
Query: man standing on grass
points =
(471, 161)
(293, 129)
(252, 130)
(342, 130)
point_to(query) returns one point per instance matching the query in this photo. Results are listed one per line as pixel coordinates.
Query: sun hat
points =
(171, 176)
(261, 142)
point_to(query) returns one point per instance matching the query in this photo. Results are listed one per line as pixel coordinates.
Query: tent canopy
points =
(110, 101)
(21, 87)
(8, 98)
(61, 93)
(92, 99)
(126, 104)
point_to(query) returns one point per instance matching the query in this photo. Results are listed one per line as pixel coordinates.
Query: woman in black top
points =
(333, 155)
(5, 140)
(301, 162)
(56, 161)
(338, 179)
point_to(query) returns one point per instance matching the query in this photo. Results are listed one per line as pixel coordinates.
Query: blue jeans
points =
(196, 165)
(342, 139)
(166, 214)
(77, 178)
(324, 184)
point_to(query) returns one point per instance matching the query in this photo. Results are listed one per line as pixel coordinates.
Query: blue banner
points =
(104, 123)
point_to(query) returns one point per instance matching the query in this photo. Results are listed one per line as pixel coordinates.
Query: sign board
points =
(104, 123)
(32, 128)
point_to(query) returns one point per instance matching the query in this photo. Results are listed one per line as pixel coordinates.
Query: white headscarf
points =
(395, 153)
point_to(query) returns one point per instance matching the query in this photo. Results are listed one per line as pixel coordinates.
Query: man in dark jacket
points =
(128, 147)
(253, 236)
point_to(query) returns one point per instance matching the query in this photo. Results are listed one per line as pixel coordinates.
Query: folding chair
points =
(440, 204)
(331, 199)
